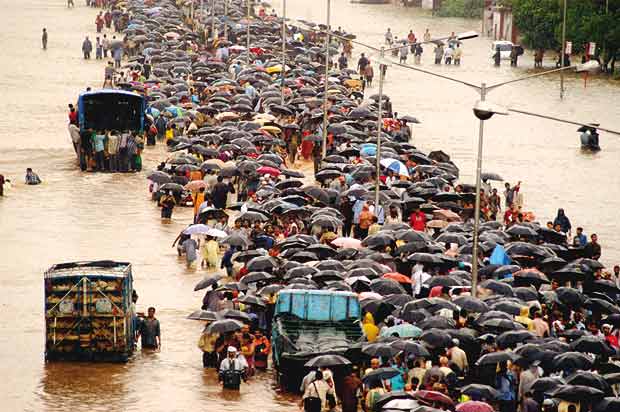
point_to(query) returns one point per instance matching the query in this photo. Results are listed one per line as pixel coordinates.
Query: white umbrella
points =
(216, 233)
(198, 229)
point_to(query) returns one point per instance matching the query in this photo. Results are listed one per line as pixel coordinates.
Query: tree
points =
(537, 21)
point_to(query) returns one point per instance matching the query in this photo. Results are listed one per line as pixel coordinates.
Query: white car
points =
(505, 47)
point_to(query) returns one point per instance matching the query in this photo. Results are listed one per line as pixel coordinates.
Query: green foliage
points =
(461, 8)
(537, 21)
(540, 24)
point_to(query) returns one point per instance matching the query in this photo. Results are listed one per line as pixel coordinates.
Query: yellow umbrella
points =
(274, 69)
(271, 129)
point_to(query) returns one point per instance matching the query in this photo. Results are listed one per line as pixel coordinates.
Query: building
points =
(498, 23)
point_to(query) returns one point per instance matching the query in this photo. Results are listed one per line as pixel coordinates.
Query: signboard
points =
(591, 48)
(569, 47)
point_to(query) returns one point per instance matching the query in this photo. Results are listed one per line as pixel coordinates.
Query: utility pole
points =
(474, 258)
(328, 31)
(225, 19)
(563, 52)
(379, 128)
(283, 72)
(247, 35)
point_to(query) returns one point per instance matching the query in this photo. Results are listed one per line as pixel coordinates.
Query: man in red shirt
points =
(612, 340)
(417, 220)
(73, 115)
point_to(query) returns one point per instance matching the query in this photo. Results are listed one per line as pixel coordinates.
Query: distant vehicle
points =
(308, 323)
(505, 47)
(110, 109)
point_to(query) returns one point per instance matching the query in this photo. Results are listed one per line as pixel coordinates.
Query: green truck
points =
(308, 323)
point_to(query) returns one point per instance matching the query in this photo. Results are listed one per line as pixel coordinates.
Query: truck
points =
(308, 323)
(88, 311)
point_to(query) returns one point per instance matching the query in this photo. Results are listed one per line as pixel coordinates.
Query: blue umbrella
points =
(404, 330)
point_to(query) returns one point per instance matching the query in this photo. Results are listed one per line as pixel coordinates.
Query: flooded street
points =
(77, 216)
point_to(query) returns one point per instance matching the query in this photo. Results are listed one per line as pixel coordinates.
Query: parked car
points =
(505, 47)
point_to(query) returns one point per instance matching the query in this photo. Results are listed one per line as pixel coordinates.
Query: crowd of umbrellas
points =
(544, 272)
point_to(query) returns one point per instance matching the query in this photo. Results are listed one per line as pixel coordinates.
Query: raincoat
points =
(209, 253)
(371, 331)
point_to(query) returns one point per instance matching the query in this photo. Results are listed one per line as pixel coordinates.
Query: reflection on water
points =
(102, 216)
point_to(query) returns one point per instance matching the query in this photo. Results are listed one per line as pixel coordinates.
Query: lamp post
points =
(327, 38)
(226, 19)
(283, 72)
(247, 35)
(379, 127)
(563, 52)
(213, 20)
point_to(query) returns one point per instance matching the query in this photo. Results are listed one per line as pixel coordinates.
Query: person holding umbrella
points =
(505, 385)
(315, 394)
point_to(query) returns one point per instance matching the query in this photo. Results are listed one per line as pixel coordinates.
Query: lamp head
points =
(485, 110)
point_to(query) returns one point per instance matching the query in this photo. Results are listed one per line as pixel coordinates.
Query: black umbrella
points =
(380, 350)
(203, 315)
(252, 300)
(379, 308)
(254, 277)
(261, 263)
(440, 322)
(399, 299)
(411, 347)
(610, 404)
(511, 338)
(479, 391)
(570, 296)
(413, 315)
(224, 326)
(380, 374)
(494, 358)
(233, 314)
(501, 324)
(509, 307)
(236, 239)
(572, 361)
(547, 384)
(436, 338)
(327, 361)
(590, 379)
(207, 281)
(497, 287)
(578, 393)
(330, 264)
(386, 287)
(592, 344)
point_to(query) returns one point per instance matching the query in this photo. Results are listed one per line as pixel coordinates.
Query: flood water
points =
(77, 216)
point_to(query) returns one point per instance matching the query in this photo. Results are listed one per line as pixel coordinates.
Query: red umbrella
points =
(433, 396)
(267, 170)
(474, 406)
(399, 277)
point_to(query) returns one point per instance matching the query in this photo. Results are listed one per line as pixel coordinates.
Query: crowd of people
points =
(537, 329)
(449, 53)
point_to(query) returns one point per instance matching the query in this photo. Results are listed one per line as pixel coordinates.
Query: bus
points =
(110, 109)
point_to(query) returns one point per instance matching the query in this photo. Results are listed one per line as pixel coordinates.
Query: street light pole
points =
(379, 129)
(474, 260)
(563, 52)
(247, 35)
(327, 33)
(283, 72)
(225, 19)
(213, 20)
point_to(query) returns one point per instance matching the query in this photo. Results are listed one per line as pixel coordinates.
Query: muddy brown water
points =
(77, 216)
